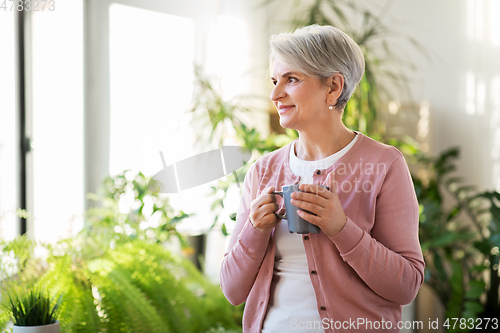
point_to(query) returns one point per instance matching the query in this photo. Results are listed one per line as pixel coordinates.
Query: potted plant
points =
(34, 311)
(117, 276)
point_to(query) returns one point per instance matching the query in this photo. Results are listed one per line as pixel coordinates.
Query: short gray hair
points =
(321, 51)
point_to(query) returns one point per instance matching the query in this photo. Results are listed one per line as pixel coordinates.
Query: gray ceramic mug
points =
(295, 223)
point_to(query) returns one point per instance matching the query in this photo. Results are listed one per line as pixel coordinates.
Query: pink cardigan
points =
(363, 274)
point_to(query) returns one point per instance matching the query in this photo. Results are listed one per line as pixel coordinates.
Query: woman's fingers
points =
(262, 213)
(317, 190)
(309, 217)
(305, 205)
(268, 197)
(311, 198)
(270, 208)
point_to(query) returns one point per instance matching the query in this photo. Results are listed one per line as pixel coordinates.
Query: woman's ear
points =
(336, 83)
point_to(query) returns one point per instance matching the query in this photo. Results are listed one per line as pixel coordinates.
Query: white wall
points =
(462, 84)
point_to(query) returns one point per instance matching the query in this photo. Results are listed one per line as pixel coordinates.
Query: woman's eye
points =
(274, 82)
(292, 80)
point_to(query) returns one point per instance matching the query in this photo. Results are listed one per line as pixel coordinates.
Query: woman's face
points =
(301, 100)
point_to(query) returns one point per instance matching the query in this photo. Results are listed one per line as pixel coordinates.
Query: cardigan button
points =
(314, 272)
(306, 237)
(318, 172)
(323, 308)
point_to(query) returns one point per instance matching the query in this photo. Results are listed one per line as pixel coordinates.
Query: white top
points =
(292, 305)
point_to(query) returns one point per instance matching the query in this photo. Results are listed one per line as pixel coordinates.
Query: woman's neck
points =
(316, 145)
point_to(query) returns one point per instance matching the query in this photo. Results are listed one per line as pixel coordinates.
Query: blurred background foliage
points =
(128, 209)
(117, 274)
(460, 241)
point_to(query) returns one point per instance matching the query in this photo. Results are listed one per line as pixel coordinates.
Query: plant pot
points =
(51, 328)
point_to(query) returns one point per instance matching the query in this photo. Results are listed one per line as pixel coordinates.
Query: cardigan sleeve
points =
(246, 249)
(389, 260)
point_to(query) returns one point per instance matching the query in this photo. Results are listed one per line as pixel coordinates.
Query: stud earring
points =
(330, 107)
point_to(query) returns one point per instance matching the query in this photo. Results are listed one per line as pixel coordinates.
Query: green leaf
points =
(438, 263)
(33, 306)
(478, 268)
(495, 212)
(476, 289)
(484, 246)
(454, 305)
(444, 239)
(453, 213)
(472, 309)
(217, 203)
(453, 180)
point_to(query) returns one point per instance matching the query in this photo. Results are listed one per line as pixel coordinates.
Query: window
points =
(57, 121)
(9, 194)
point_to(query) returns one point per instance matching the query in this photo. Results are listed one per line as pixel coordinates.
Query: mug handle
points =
(281, 216)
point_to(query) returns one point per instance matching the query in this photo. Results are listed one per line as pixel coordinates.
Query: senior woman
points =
(366, 263)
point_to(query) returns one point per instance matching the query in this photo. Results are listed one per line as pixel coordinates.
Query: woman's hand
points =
(262, 212)
(325, 204)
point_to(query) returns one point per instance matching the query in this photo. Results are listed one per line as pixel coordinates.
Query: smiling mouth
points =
(284, 108)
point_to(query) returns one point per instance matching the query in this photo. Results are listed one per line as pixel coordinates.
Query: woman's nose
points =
(277, 93)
